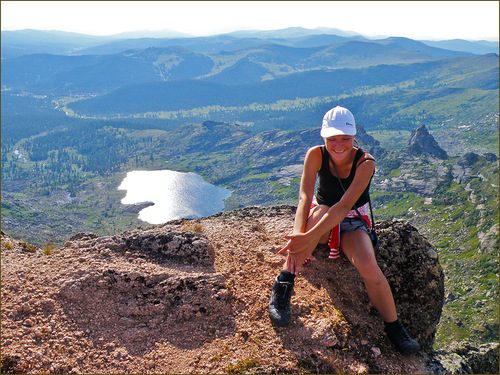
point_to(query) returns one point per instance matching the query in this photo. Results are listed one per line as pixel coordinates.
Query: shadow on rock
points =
(321, 332)
(155, 245)
(137, 310)
(176, 298)
(304, 341)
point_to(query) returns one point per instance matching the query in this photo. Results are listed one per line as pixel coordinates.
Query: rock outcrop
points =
(463, 358)
(411, 267)
(421, 142)
(191, 296)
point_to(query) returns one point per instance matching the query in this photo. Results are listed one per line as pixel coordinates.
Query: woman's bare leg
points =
(358, 249)
(315, 214)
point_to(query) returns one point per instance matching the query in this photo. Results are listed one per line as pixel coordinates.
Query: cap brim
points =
(330, 132)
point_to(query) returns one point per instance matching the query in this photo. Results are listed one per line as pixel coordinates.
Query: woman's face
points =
(339, 146)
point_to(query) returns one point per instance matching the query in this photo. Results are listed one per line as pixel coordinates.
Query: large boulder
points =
(411, 267)
(191, 296)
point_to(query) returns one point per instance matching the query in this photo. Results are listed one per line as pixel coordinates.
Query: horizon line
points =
(179, 34)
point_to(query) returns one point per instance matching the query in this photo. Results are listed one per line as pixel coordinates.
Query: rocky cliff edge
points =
(191, 296)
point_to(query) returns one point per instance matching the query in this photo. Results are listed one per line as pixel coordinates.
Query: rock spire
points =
(422, 142)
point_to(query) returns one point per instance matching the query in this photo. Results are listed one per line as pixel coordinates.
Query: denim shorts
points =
(350, 224)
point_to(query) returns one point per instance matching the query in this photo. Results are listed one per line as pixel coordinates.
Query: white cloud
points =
(415, 19)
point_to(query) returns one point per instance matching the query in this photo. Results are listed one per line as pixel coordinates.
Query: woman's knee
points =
(369, 270)
(315, 215)
(359, 250)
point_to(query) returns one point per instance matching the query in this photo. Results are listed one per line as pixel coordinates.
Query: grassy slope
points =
(459, 215)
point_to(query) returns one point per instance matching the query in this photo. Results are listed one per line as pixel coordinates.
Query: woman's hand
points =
(299, 243)
(299, 248)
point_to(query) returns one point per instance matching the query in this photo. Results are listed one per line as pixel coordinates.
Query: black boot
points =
(279, 304)
(400, 338)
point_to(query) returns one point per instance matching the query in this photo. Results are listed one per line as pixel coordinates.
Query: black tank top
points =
(329, 191)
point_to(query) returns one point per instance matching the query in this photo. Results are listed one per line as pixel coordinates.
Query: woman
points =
(344, 173)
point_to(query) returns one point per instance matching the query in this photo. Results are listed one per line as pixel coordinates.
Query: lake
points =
(175, 195)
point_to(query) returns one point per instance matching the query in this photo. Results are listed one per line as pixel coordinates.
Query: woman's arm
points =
(306, 242)
(312, 164)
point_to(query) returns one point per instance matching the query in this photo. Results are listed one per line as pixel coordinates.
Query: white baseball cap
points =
(338, 121)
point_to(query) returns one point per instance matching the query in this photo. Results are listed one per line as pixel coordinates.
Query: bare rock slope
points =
(191, 296)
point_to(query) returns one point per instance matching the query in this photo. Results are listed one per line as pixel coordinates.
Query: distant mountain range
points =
(186, 94)
(479, 47)
(235, 61)
(251, 76)
(23, 42)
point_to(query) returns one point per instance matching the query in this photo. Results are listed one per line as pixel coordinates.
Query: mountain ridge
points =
(19, 42)
(151, 97)
(294, 59)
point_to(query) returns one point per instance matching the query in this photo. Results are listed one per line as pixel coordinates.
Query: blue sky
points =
(430, 20)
